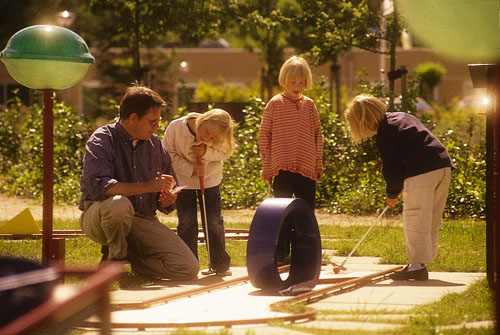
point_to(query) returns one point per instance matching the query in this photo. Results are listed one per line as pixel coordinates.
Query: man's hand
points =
(167, 198)
(163, 182)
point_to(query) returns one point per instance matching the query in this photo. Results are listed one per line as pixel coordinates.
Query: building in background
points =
(239, 67)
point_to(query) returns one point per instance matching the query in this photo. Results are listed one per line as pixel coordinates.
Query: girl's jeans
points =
(187, 228)
(285, 185)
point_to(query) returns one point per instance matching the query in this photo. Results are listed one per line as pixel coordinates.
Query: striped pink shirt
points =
(290, 138)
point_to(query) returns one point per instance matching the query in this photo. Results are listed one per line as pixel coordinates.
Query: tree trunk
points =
(262, 83)
(335, 74)
(393, 38)
(270, 85)
(136, 47)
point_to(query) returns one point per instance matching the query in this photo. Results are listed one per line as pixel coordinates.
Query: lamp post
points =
(65, 18)
(47, 58)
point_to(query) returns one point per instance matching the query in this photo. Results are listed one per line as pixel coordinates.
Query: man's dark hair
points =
(139, 99)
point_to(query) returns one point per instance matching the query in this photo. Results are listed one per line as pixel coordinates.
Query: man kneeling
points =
(127, 176)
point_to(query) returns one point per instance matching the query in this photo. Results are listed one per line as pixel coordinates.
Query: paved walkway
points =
(244, 302)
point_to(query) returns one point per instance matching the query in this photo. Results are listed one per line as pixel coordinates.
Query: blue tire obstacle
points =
(305, 262)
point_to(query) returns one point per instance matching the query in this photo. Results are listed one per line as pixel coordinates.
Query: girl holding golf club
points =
(198, 144)
(291, 143)
(416, 164)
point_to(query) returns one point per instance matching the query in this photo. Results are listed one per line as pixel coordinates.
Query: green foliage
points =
(264, 24)
(25, 176)
(429, 75)
(115, 70)
(352, 183)
(380, 90)
(242, 186)
(464, 134)
(324, 30)
(9, 134)
(222, 92)
(467, 192)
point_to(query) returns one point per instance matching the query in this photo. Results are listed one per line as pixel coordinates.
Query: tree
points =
(266, 23)
(429, 75)
(148, 23)
(324, 30)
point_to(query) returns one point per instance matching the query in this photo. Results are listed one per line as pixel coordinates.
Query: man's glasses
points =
(154, 123)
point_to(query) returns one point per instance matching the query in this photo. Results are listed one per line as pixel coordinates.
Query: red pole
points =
(202, 184)
(48, 173)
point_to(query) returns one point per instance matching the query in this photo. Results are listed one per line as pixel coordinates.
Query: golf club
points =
(337, 267)
(204, 221)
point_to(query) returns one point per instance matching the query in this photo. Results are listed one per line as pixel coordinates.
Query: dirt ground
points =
(11, 206)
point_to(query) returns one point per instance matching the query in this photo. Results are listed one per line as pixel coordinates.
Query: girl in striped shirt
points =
(290, 139)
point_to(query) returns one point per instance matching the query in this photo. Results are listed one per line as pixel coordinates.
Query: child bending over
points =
(210, 136)
(416, 164)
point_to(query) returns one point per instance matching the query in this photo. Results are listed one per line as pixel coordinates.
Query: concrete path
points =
(244, 301)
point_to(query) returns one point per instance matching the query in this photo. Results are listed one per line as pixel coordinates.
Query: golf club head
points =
(340, 266)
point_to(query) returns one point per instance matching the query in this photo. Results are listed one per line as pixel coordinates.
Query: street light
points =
(184, 66)
(65, 18)
(47, 58)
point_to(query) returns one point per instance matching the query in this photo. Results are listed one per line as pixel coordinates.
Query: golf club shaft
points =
(364, 236)
(204, 216)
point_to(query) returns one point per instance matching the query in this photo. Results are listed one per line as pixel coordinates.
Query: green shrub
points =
(25, 176)
(222, 92)
(429, 75)
(242, 186)
(9, 134)
(352, 183)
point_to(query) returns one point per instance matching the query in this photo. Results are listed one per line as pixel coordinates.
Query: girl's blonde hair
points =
(224, 123)
(363, 115)
(295, 67)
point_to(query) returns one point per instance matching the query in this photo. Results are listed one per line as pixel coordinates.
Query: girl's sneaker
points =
(405, 274)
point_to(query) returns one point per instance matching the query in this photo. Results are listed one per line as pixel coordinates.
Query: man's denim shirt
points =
(111, 157)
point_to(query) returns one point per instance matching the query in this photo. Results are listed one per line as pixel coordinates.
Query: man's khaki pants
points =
(424, 199)
(150, 247)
